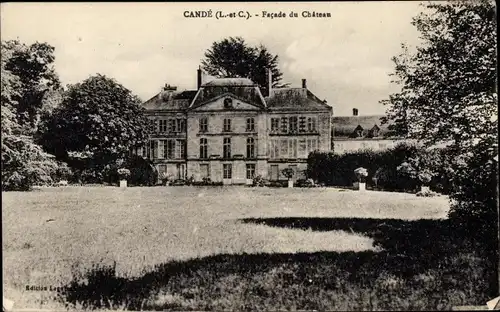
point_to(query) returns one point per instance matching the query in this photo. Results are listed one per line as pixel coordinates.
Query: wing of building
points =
(228, 131)
(352, 133)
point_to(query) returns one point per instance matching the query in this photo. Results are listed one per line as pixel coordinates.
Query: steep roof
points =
(283, 99)
(345, 126)
(241, 82)
(242, 88)
(170, 101)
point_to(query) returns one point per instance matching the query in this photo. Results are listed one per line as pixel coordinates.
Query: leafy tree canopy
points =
(233, 57)
(29, 81)
(448, 85)
(99, 118)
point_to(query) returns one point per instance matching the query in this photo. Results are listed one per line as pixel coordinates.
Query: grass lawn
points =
(234, 248)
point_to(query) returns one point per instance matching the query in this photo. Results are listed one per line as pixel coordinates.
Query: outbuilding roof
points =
(346, 126)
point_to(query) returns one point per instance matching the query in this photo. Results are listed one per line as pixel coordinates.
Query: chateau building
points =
(352, 133)
(228, 130)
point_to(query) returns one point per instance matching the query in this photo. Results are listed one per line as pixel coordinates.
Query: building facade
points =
(353, 133)
(228, 131)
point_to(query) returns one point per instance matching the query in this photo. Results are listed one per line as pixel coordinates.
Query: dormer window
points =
(358, 132)
(375, 131)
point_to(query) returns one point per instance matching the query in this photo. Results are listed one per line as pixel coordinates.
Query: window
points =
(173, 125)
(227, 148)
(274, 151)
(250, 148)
(181, 125)
(311, 124)
(154, 149)
(180, 149)
(312, 145)
(161, 148)
(250, 171)
(302, 148)
(302, 124)
(284, 124)
(170, 125)
(250, 125)
(163, 125)
(293, 124)
(227, 170)
(203, 148)
(283, 148)
(227, 125)
(170, 150)
(203, 124)
(292, 148)
(275, 124)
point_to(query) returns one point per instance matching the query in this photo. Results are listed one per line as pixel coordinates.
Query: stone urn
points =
(123, 174)
(361, 174)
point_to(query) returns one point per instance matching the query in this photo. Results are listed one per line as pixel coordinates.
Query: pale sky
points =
(345, 58)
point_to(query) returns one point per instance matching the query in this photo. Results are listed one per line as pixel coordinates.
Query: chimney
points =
(269, 81)
(355, 112)
(304, 84)
(199, 81)
(167, 92)
(168, 87)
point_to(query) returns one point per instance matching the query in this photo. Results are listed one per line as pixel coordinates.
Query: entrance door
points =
(227, 173)
(181, 171)
(274, 172)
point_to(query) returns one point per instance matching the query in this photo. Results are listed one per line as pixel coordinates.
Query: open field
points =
(233, 248)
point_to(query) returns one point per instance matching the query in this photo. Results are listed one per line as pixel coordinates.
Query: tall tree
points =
(98, 117)
(448, 86)
(33, 67)
(448, 94)
(26, 75)
(233, 57)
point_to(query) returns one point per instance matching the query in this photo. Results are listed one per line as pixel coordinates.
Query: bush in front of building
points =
(142, 171)
(338, 169)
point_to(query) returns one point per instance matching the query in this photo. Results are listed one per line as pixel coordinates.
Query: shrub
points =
(361, 174)
(288, 173)
(258, 181)
(165, 178)
(142, 171)
(123, 173)
(426, 193)
(62, 172)
(306, 183)
(338, 170)
(25, 164)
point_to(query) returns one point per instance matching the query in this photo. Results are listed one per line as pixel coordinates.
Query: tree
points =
(448, 95)
(33, 67)
(448, 86)
(233, 57)
(99, 119)
(26, 74)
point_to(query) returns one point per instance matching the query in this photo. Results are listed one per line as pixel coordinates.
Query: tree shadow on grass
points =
(387, 280)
